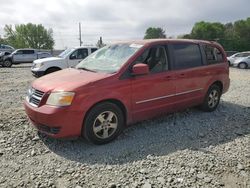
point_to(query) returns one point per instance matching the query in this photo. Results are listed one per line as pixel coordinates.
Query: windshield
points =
(14, 52)
(109, 59)
(66, 52)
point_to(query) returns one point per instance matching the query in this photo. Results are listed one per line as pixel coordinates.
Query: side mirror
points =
(140, 69)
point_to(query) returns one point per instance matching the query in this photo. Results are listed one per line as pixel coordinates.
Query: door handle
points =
(169, 77)
(181, 75)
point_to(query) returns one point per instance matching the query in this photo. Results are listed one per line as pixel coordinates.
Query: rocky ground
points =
(185, 149)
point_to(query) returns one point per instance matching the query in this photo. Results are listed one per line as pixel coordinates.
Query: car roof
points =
(154, 41)
(78, 47)
(25, 49)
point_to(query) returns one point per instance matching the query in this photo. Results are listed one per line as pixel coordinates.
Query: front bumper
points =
(54, 121)
(38, 73)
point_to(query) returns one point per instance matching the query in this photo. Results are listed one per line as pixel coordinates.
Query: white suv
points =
(68, 58)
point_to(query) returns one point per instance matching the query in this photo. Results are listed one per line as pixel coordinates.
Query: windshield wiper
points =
(83, 68)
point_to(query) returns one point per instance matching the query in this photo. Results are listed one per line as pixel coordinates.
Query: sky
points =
(117, 19)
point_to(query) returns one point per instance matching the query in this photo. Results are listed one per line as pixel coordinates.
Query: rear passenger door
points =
(188, 64)
(29, 55)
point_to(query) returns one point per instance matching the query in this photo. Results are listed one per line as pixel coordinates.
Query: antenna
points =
(80, 33)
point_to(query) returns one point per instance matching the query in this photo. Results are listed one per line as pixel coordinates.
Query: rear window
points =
(213, 55)
(187, 56)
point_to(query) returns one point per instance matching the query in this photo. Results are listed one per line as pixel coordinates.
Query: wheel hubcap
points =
(213, 99)
(242, 66)
(105, 124)
(7, 63)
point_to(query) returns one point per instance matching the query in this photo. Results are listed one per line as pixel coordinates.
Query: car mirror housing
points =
(140, 69)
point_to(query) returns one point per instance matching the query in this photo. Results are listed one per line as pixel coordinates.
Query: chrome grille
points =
(35, 96)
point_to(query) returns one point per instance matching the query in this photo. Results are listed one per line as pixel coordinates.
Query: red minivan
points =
(128, 82)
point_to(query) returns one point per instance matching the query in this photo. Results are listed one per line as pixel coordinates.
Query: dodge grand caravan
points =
(128, 82)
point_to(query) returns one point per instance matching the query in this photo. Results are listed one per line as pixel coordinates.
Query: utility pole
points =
(80, 34)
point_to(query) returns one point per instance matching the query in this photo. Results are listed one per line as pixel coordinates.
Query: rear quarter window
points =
(213, 55)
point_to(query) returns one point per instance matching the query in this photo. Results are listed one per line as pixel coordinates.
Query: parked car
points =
(236, 57)
(6, 48)
(242, 63)
(127, 82)
(23, 56)
(68, 58)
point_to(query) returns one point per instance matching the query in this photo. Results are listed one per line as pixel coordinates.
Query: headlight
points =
(38, 65)
(60, 98)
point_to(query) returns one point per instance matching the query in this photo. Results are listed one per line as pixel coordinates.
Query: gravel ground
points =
(185, 149)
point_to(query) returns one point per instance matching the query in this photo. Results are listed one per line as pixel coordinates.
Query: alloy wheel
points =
(213, 98)
(105, 124)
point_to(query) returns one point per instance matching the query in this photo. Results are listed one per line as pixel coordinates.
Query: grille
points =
(35, 96)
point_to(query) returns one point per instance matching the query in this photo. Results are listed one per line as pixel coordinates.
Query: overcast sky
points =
(118, 19)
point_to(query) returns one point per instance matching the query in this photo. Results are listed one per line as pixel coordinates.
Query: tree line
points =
(232, 36)
(28, 36)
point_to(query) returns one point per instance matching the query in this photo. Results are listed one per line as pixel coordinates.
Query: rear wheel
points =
(7, 63)
(242, 65)
(50, 70)
(103, 123)
(212, 99)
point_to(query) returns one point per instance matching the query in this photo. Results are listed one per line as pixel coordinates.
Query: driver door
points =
(18, 56)
(154, 93)
(77, 56)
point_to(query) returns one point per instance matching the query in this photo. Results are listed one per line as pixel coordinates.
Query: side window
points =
(213, 55)
(246, 54)
(239, 55)
(28, 52)
(155, 58)
(93, 50)
(82, 53)
(187, 56)
(19, 52)
(79, 54)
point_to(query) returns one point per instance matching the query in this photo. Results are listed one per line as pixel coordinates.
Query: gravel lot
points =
(185, 149)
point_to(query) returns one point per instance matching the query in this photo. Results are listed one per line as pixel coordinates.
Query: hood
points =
(67, 80)
(47, 59)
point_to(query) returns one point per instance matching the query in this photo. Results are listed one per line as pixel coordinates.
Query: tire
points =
(229, 63)
(103, 123)
(50, 70)
(212, 99)
(242, 65)
(7, 63)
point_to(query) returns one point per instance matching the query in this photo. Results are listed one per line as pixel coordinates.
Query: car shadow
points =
(190, 129)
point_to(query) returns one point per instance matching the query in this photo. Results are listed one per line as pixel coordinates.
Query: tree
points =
(29, 36)
(208, 31)
(154, 33)
(2, 41)
(232, 36)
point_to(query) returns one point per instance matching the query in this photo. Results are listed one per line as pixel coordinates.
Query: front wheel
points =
(212, 99)
(103, 123)
(7, 63)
